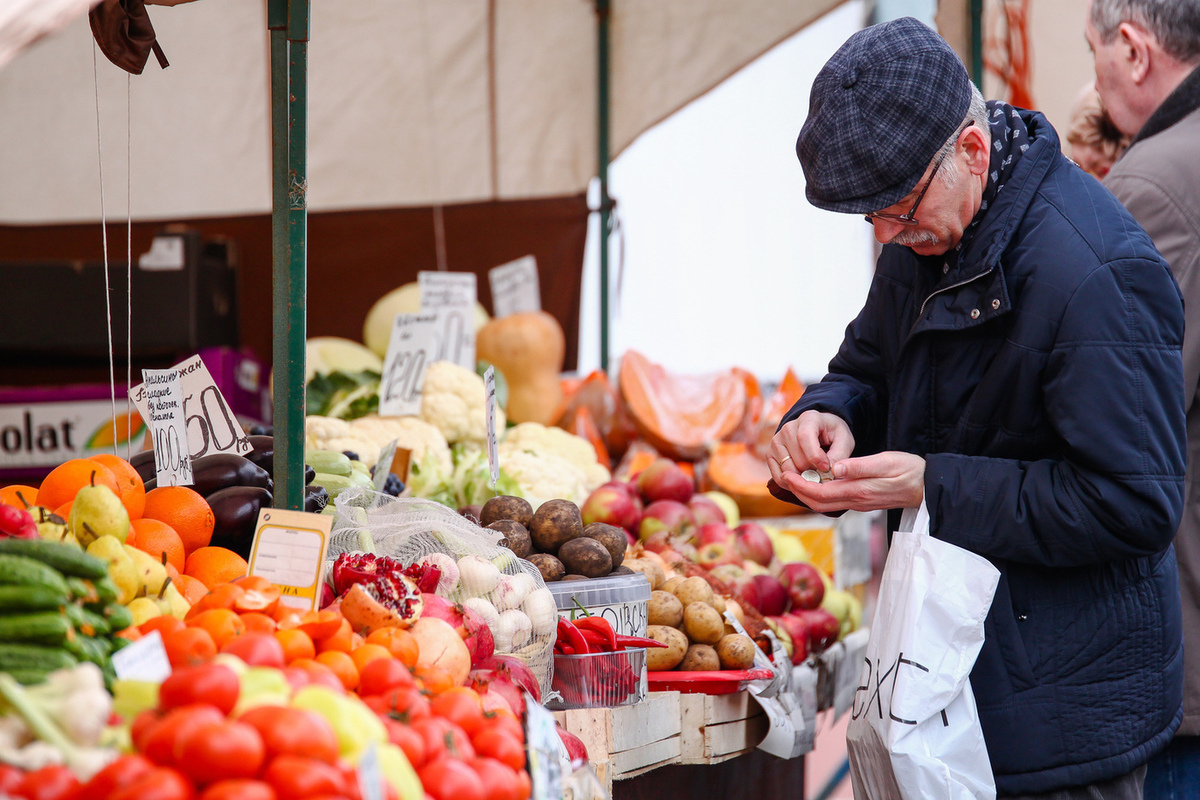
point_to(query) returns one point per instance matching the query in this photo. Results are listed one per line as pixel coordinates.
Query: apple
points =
(733, 574)
(797, 628)
(706, 510)
(671, 516)
(716, 553)
(614, 504)
(727, 505)
(804, 584)
(665, 480)
(772, 595)
(823, 628)
(754, 543)
(714, 532)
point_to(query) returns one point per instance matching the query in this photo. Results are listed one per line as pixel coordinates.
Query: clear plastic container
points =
(623, 600)
(599, 680)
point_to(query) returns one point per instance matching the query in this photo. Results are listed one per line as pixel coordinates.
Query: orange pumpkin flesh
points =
(738, 471)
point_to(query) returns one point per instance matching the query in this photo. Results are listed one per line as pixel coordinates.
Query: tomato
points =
(160, 783)
(219, 751)
(143, 723)
(48, 783)
(451, 779)
(461, 706)
(239, 790)
(526, 783)
(293, 732)
(117, 775)
(10, 778)
(382, 674)
(407, 739)
(442, 737)
(257, 650)
(407, 703)
(295, 778)
(505, 721)
(502, 746)
(215, 684)
(500, 782)
(159, 742)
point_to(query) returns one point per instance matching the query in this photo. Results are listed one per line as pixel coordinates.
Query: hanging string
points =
(439, 220)
(128, 270)
(112, 379)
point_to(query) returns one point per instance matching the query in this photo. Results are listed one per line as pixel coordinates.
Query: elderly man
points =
(1017, 367)
(1147, 56)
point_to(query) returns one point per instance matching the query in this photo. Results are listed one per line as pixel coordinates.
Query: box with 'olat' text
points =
(623, 600)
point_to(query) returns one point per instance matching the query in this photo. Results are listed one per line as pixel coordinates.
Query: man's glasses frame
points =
(910, 218)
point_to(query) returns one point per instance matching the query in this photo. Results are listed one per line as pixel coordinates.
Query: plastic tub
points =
(599, 680)
(624, 600)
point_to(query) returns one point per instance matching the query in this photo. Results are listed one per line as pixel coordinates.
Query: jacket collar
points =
(1179, 103)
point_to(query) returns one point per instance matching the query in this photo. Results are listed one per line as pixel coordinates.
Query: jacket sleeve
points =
(1113, 392)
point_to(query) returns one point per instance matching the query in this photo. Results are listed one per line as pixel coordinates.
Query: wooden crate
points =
(717, 728)
(629, 740)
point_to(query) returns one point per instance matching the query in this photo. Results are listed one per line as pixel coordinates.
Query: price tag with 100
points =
(164, 414)
(210, 423)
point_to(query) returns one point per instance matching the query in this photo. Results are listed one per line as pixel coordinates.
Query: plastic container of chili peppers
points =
(624, 600)
(599, 680)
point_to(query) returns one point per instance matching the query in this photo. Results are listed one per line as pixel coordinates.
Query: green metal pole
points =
(288, 23)
(603, 9)
(977, 42)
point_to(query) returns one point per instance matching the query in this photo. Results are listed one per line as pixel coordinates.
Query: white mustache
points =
(914, 238)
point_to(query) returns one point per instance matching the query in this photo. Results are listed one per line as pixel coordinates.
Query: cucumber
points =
(88, 623)
(106, 590)
(88, 648)
(328, 461)
(38, 627)
(118, 617)
(18, 570)
(82, 590)
(30, 598)
(118, 643)
(67, 560)
(15, 656)
(334, 484)
(29, 677)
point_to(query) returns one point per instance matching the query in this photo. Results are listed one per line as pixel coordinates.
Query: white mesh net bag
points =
(477, 571)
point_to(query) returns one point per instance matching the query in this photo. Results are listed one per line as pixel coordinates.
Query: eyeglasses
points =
(910, 218)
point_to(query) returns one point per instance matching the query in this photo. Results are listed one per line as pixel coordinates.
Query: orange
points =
(367, 653)
(342, 665)
(356, 641)
(130, 487)
(156, 538)
(213, 566)
(296, 644)
(164, 625)
(189, 646)
(191, 589)
(185, 511)
(18, 495)
(434, 679)
(257, 622)
(222, 625)
(340, 640)
(320, 624)
(222, 596)
(399, 642)
(65, 480)
(64, 511)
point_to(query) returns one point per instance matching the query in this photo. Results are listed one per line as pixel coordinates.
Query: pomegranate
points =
(352, 568)
(467, 622)
(440, 645)
(385, 580)
(576, 750)
(513, 670)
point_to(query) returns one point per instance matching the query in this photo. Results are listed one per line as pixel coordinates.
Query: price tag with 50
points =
(211, 424)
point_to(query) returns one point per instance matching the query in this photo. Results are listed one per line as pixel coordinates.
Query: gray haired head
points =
(1174, 23)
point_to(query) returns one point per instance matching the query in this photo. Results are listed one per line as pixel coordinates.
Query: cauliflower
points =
(533, 437)
(545, 477)
(452, 400)
(410, 433)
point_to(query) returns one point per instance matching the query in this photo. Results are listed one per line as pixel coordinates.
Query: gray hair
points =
(1174, 23)
(949, 173)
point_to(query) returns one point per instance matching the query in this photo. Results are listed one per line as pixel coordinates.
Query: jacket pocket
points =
(1003, 667)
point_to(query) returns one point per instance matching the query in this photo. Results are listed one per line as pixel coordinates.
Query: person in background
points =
(1016, 367)
(1095, 142)
(1147, 59)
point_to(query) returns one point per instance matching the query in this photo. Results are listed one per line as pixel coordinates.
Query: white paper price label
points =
(543, 744)
(452, 295)
(143, 660)
(164, 414)
(515, 287)
(370, 777)
(212, 426)
(412, 348)
(289, 550)
(489, 419)
(383, 467)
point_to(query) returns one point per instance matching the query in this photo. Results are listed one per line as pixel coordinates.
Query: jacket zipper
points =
(946, 289)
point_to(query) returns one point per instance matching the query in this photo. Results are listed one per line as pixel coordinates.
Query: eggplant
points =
(315, 498)
(310, 474)
(235, 511)
(143, 462)
(223, 470)
(263, 453)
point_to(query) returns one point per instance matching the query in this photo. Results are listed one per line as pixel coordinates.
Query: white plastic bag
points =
(914, 730)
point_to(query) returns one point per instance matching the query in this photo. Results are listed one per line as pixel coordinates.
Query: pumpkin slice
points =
(737, 470)
(680, 415)
(781, 401)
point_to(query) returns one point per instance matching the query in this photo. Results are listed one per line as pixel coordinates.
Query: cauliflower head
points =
(544, 477)
(533, 437)
(452, 400)
(410, 433)
(330, 433)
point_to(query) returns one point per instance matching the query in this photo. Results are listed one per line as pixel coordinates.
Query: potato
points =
(555, 523)
(718, 603)
(652, 571)
(569, 577)
(584, 556)
(736, 651)
(671, 583)
(700, 658)
(622, 570)
(694, 590)
(659, 659)
(516, 537)
(506, 507)
(551, 568)
(665, 609)
(612, 537)
(702, 623)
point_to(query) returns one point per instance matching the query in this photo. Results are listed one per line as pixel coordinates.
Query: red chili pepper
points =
(568, 634)
(600, 626)
(597, 641)
(624, 641)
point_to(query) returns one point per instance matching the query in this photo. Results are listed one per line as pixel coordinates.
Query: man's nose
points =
(886, 230)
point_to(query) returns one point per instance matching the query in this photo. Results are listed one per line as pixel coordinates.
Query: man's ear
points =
(1136, 46)
(975, 146)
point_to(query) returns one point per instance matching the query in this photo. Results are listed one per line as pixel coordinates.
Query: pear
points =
(121, 568)
(52, 527)
(143, 608)
(172, 602)
(96, 512)
(151, 573)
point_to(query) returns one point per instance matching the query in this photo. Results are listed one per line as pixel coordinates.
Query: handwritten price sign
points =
(211, 424)
(515, 287)
(164, 414)
(413, 346)
(452, 295)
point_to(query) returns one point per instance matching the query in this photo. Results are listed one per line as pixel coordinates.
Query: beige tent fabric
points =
(23, 22)
(411, 102)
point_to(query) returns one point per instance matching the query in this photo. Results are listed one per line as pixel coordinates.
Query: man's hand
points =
(815, 440)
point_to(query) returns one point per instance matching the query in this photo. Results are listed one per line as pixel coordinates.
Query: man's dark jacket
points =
(1041, 379)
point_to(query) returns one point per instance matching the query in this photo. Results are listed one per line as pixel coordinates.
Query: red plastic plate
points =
(715, 682)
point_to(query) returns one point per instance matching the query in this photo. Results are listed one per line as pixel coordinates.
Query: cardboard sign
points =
(163, 398)
(383, 467)
(413, 347)
(144, 659)
(515, 287)
(211, 424)
(452, 295)
(489, 418)
(289, 551)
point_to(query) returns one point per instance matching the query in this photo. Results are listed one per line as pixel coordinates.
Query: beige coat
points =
(1158, 180)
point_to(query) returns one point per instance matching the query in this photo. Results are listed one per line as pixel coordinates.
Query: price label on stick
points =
(452, 295)
(289, 550)
(489, 419)
(163, 412)
(543, 744)
(211, 424)
(515, 287)
(412, 348)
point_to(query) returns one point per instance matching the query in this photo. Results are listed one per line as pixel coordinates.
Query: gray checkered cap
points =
(880, 109)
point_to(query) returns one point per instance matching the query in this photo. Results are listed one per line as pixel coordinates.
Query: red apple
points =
(614, 504)
(797, 628)
(714, 532)
(733, 574)
(754, 543)
(804, 584)
(665, 480)
(823, 628)
(772, 595)
(706, 510)
(716, 553)
(671, 516)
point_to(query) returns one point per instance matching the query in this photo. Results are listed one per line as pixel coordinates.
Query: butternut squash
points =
(529, 349)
